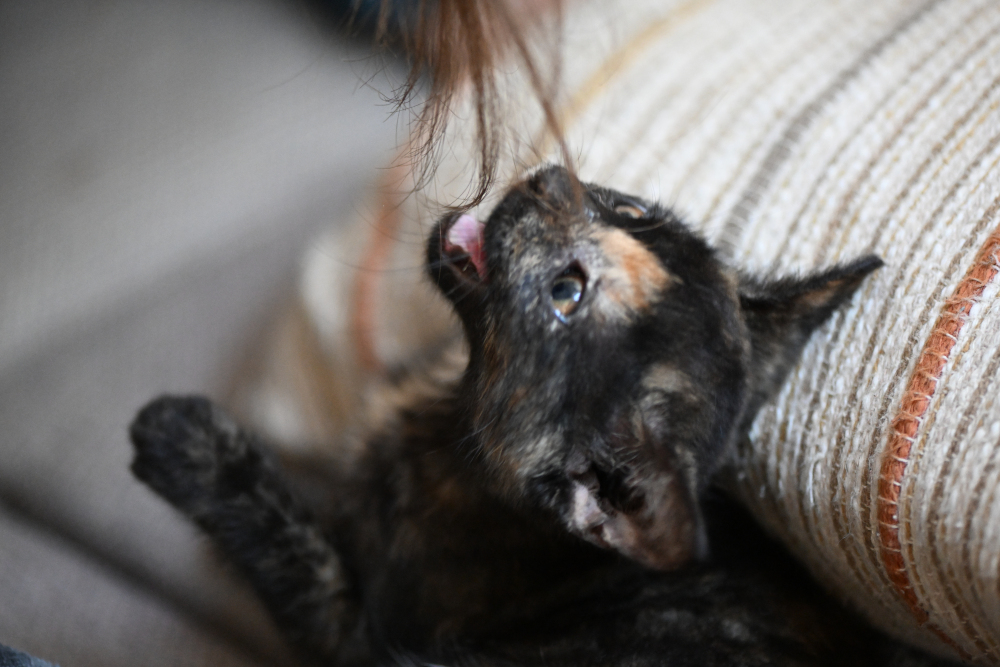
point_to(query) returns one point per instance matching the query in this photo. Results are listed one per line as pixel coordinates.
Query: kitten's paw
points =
(190, 452)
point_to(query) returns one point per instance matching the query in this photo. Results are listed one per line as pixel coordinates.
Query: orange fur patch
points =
(633, 276)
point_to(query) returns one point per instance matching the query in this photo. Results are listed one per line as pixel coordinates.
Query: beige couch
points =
(162, 166)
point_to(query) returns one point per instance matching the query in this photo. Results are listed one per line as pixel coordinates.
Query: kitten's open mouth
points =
(462, 247)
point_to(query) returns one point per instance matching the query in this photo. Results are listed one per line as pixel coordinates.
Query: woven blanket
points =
(792, 135)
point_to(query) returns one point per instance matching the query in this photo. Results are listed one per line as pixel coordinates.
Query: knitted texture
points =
(795, 135)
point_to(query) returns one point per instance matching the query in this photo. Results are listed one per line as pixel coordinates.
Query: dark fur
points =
(549, 509)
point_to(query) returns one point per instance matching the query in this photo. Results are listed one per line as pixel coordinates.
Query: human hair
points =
(454, 46)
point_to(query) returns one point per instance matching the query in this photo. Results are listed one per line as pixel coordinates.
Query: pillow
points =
(793, 135)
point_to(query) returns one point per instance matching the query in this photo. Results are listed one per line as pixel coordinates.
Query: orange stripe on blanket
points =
(364, 296)
(916, 400)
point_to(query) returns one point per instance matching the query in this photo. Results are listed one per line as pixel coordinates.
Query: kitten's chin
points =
(461, 247)
(457, 264)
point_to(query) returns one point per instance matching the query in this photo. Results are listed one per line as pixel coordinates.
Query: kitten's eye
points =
(629, 211)
(567, 290)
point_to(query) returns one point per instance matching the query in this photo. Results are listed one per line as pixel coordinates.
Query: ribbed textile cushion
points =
(794, 135)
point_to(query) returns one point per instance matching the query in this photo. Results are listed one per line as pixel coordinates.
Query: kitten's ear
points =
(781, 314)
(648, 514)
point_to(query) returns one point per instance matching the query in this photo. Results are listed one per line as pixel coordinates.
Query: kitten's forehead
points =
(624, 277)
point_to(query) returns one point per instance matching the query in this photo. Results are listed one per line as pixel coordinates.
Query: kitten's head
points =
(613, 357)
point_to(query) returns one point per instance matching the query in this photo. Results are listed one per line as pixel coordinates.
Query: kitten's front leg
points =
(195, 456)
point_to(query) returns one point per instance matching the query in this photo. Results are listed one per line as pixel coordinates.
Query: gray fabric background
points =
(162, 168)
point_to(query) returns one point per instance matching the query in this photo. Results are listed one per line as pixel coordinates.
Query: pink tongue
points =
(467, 234)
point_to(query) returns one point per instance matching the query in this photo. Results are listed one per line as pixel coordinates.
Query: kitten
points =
(550, 507)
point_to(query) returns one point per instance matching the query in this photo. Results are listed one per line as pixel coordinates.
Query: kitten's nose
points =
(555, 185)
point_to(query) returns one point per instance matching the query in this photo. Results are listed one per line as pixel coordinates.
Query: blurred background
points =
(163, 167)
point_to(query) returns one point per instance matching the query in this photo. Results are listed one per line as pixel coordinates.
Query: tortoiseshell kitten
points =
(549, 508)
